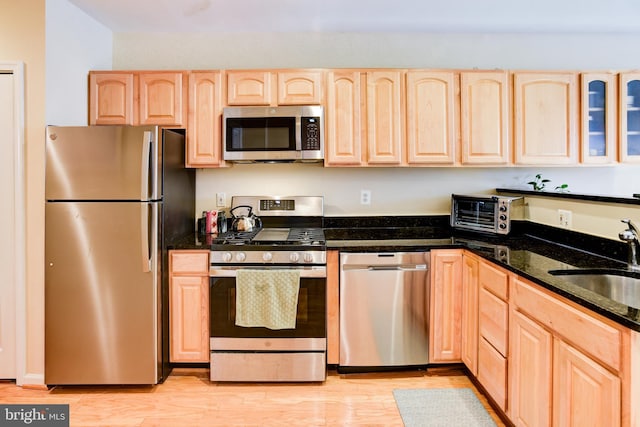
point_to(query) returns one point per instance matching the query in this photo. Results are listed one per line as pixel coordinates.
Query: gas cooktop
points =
(273, 236)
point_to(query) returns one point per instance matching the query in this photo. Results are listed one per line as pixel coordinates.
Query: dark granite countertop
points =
(530, 251)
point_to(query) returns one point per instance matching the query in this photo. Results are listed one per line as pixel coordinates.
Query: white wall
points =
(414, 50)
(75, 44)
(394, 190)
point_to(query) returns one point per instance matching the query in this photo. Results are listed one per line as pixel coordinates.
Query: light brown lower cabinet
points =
(567, 365)
(541, 358)
(445, 314)
(333, 307)
(493, 327)
(189, 306)
(469, 317)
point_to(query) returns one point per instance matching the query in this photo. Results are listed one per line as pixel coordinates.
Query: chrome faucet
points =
(630, 235)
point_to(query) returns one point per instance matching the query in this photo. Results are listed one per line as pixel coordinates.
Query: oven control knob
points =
(226, 257)
(294, 257)
(503, 217)
(503, 208)
(267, 256)
(308, 257)
(241, 256)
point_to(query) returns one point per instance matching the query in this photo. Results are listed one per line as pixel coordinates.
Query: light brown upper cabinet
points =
(545, 118)
(629, 117)
(363, 115)
(384, 117)
(110, 98)
(137, 98)
(432, 132)
(162, 98)
(300, 87)
(598, 117)
(204, 146)
(271, 88)
(343, 119)
(249, 87)
(485, 117)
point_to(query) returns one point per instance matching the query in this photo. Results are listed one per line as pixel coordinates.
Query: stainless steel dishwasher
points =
(384, 310)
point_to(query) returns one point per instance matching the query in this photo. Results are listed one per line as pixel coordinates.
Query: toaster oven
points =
(483, 213)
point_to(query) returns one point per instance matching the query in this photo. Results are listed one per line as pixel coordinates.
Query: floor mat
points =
(441, 407)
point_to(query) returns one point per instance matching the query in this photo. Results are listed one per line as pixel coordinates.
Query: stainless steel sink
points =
(622, 286)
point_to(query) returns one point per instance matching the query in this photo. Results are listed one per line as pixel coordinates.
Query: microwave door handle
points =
(298, 133)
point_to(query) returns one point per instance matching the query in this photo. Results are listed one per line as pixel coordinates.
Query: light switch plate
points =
(221, 200)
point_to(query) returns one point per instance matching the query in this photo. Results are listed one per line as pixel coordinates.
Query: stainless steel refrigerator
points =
(116, 199)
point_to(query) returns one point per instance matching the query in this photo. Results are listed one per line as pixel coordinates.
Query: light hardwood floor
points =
(188, 398)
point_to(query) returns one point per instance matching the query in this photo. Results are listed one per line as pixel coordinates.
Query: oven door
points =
(310, 318)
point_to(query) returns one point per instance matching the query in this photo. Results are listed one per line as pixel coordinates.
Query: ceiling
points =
(540, 16)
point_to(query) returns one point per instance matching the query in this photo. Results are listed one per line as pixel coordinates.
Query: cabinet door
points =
(493, 309)
(546, 118)
(204, 145)
(300, 87)
(629, 117)
(529, 367)
(249, 87)
(333, 307)
(599, 106)
(445, 306)
(485, 112)
(492, 372)
(111, 98)
(189, 306)
(469, 338)
(432, 133)
(162, 99)
(189, 324)
(384, 117)
(584, 392)
(343, 119)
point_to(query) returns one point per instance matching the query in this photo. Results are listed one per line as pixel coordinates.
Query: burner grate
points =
(306, 235)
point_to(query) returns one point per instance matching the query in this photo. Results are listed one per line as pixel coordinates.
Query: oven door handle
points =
(305, 272)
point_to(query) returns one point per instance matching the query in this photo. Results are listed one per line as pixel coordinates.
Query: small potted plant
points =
(538, 183)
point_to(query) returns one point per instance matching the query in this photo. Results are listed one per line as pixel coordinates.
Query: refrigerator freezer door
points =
(103, 163)
(101, 300)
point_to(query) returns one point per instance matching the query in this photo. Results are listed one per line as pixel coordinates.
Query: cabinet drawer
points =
(492, 372)
(189, 262)
(493, 319)
(593, 336)
(494, 279)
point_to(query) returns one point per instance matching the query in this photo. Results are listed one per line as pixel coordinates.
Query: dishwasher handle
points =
(387, 267)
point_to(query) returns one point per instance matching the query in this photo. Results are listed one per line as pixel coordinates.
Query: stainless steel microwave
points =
(484, 213)
(273, 134)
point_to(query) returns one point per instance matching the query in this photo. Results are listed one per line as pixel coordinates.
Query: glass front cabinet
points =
(629, 117)
(599, 118)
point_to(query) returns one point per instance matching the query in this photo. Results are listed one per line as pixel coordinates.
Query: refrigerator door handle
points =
(144, 237)
(145, 159)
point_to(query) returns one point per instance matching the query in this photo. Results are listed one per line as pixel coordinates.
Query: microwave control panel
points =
(310, 133)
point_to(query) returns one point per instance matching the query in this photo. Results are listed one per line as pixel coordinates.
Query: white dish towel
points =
(267, 298)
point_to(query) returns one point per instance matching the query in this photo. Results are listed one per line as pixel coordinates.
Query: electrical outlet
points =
(365, 197)
(564, 218)
(221, 200)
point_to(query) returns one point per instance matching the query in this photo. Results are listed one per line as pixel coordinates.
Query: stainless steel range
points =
(268, 293)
